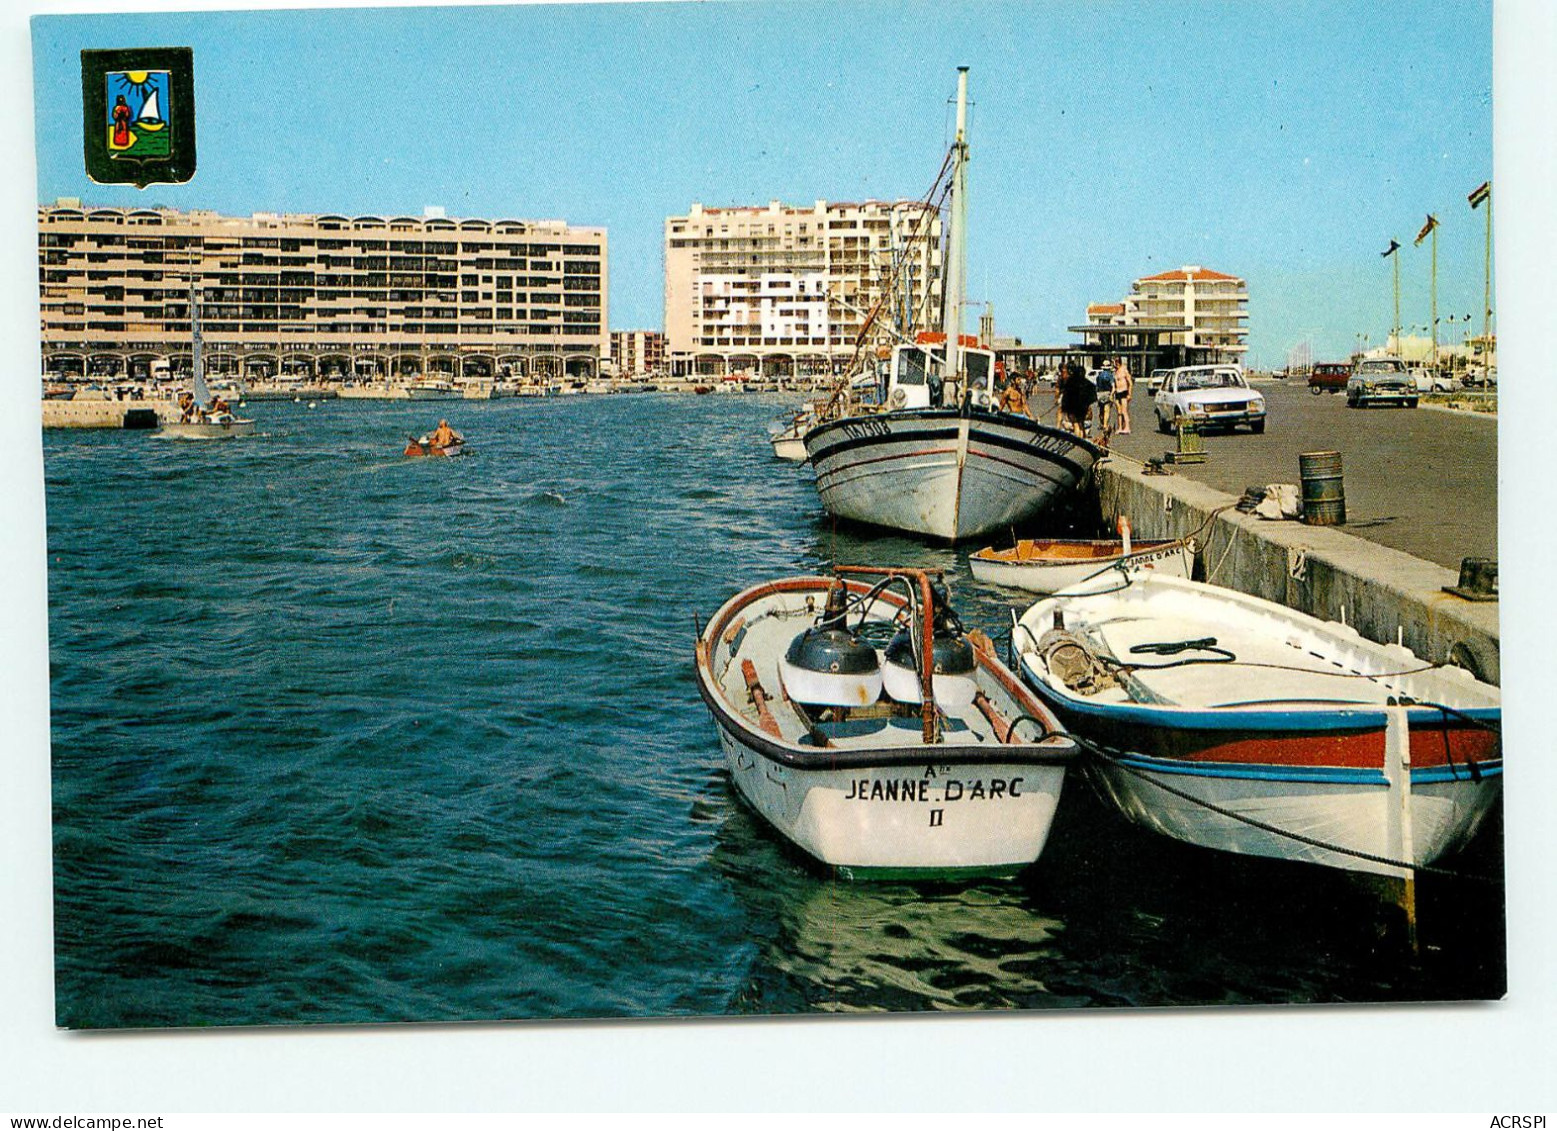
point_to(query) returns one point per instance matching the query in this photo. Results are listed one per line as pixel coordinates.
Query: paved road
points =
(1419, 480)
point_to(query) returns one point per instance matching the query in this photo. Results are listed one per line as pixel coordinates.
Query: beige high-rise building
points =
(315, 296)
(637, 353)
(782, 290)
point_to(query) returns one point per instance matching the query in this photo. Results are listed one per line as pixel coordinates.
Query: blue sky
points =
(1284, 142)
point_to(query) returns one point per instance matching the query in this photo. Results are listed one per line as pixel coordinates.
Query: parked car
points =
(1426, 381)
(1380, 380)
(1329, 377)
(1154, 382)
(1210, 395)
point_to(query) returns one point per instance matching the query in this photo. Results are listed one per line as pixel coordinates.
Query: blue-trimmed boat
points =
(1234, 723)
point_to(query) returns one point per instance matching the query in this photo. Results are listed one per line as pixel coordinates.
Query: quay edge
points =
(1386, 595)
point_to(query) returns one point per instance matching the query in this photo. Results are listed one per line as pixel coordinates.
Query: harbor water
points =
(344, 737)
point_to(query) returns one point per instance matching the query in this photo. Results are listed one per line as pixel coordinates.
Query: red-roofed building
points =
(1214, 305)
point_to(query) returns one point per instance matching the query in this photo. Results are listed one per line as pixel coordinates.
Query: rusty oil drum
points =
(1324, 495)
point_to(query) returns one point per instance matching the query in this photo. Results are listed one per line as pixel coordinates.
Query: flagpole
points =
(1486, 290)
(1435, 297)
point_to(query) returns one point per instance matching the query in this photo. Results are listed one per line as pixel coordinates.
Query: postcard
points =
(663, 511)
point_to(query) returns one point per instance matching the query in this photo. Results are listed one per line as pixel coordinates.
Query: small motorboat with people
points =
(863, 723)
(202, 414)
(1235, 723)
(441, 441)
(1049, 565)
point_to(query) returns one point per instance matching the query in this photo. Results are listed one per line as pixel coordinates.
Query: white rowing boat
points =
(828, 735)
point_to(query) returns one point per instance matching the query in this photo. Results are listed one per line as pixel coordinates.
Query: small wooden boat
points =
(863, 724)
(1231, 722)
(1047, 566)
(789, 443)
(422, 446)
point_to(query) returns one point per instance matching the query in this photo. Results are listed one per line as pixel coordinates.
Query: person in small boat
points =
(442, 436)
(186, 408)
(219, 406)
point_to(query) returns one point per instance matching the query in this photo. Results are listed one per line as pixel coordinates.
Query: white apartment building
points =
(782, 290)
(1211, 308)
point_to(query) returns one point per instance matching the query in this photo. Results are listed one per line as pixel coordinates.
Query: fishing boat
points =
(862, 723)
(1050, 565)
(939, 458)
(1231, 722)
(206, 420)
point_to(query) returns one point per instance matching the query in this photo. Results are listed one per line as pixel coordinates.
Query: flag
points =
(1393, 247)
(1481, 194)
(1432, 222)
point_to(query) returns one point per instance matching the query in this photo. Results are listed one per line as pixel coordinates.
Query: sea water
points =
(340, 736)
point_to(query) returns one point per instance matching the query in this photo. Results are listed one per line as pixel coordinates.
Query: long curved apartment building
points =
(784, 291)
(366, 298)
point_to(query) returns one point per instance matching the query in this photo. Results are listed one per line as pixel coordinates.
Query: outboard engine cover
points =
(827, 666)
(952, 680)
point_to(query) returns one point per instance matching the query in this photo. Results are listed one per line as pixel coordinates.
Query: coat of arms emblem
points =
(140, 115)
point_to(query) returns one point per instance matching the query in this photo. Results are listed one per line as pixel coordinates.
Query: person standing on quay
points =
(1124, 385)
(1105, 402)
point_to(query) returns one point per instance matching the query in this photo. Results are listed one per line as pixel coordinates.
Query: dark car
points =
(1329, 377)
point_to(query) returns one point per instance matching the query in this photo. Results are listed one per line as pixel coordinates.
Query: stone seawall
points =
(1386, 595)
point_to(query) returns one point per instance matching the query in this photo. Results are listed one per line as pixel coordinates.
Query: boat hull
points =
(944, 475)
(1299, 748)
(1360, 814)
(789, 447)
(901, 822)
(1050, 576)
(207, 431)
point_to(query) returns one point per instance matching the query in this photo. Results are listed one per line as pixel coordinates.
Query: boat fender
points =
(1073, 663)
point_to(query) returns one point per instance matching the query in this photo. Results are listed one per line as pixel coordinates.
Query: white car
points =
(1426, 381)
(1212, 396)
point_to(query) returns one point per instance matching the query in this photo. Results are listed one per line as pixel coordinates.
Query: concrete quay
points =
(1386, 595)
(106, 413)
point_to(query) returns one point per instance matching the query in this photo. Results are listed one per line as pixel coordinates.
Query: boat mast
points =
(202, 394)
(956, 251)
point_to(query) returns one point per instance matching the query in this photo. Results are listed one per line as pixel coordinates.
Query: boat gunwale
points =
(1329, 720)
(1055, 748)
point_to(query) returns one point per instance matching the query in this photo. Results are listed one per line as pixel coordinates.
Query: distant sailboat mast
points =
(202, 394)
